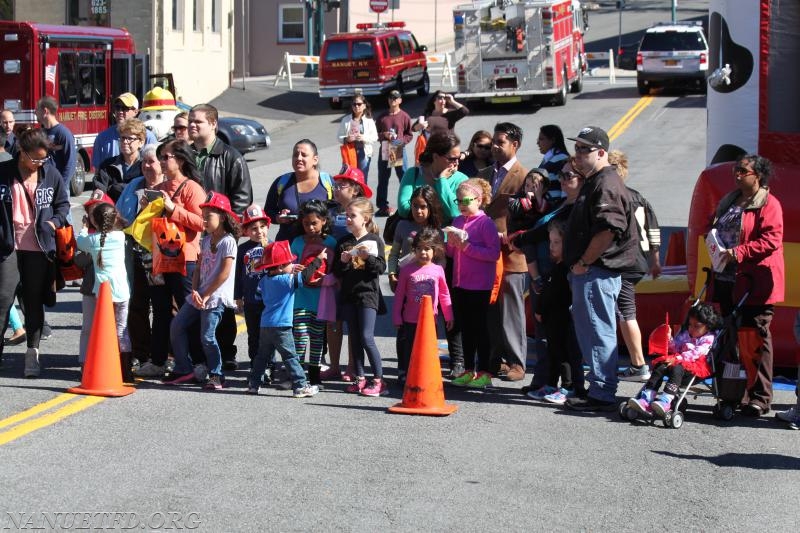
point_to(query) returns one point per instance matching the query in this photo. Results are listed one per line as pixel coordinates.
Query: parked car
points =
(672, 54)
(243, 134)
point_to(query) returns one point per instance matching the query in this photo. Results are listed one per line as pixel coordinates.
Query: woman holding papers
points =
(749, 229)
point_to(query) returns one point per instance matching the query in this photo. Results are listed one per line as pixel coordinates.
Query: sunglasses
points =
(37, 161)
(742, 171)
(123, 108)
(166, 157)
(357, 104)
(487, 146)
(583, 149)
(567, 176)
(464, 201)
(342, 186)
(180, 128)
(454, 159)
(128, 138)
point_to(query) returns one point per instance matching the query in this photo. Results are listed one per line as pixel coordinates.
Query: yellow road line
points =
(36, 409)
(51, 418)
(623, 123)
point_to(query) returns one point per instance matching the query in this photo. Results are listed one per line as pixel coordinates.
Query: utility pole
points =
(620, 7)
(674, 11)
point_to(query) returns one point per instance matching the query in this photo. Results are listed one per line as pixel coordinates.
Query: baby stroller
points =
(723, 360)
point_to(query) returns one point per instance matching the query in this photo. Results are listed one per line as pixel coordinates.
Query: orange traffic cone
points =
(676, 249)
(102, 373)
(424, 391)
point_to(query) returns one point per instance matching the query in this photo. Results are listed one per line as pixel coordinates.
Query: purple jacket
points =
(474, 265)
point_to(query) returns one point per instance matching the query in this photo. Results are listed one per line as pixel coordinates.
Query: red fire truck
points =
(82, 67)
(510, 51)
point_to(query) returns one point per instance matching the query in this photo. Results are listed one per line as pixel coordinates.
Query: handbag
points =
(65, 253)
(391, 226)
(349, 156)
(168, 239)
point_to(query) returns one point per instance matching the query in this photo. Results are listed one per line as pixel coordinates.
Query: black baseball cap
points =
(395, 94)
(593, 136)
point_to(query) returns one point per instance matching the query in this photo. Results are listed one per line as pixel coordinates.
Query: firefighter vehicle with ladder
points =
(509, 51)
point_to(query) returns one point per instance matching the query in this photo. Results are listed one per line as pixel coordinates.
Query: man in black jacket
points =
(224, 170)
(601, 243)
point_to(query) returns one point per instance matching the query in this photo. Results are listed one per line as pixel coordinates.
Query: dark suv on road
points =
(672, 55)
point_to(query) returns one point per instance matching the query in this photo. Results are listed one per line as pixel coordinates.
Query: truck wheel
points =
(577, 85)
(78, 181)
(425, 88)
(561, 97)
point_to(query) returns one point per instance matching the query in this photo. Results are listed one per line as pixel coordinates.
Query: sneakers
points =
(789, 415)
(169, 365)
(384, 211)
(481, 381)
(463, 379)
(358, 385)
(456, 371)
(230, 365)
(640, 405)
(558, 397)
(214, 382)
(377, 388)
(149, 370)
(32, 368)
(635, 374)
(330, 375)
(540, 393)
(661, 405)
(252, 391)
(306, 392)
(177, 379)
(589, 404)
(47, 332)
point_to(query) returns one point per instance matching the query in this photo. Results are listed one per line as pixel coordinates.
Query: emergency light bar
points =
(379, 25)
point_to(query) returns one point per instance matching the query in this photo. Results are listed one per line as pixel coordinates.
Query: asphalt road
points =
(337, 462)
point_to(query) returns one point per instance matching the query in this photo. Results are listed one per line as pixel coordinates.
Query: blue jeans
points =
(594, 304)
(282, 340)
(179, 335)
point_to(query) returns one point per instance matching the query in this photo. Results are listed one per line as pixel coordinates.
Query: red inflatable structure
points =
(753, 107)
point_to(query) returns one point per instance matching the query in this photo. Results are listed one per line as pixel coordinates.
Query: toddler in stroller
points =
(687, 356)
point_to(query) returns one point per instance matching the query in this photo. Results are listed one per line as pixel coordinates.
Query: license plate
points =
(671, 62)
(506, 99)
(361, 74)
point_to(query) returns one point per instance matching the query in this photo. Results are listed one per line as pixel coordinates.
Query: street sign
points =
(378, 6)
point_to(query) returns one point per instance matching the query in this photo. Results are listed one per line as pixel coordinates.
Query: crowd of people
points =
(473, 229)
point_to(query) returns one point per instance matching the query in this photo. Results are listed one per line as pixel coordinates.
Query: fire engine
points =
(82, 67)
(510, 51)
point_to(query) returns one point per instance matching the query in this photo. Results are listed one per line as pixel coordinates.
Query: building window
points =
(291, 23)
(216, 9)
(197, 15)
(177, 14)
(88, 12)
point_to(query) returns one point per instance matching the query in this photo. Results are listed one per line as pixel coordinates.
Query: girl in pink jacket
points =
(421, 276)
(474, 244)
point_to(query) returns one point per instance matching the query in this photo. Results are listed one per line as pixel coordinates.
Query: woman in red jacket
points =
(749, 223)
